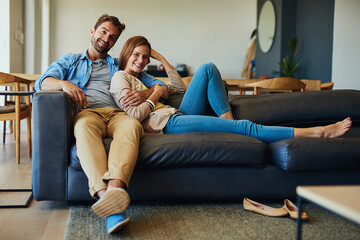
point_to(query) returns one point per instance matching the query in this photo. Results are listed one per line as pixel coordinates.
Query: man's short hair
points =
(106, 18)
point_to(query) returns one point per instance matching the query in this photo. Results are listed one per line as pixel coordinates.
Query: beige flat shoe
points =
(263, 209)
(293, 210)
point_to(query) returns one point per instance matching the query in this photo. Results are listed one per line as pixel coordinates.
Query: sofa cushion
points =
(200, 149)
(318, 153)
(174, 100)
(193, 149)
(298, 109)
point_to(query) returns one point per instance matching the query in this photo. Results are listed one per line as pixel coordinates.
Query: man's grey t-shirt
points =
(97, 88)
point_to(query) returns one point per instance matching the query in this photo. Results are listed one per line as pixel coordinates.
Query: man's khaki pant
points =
(90, 126)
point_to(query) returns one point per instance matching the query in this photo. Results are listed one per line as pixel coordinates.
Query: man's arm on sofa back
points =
(53, 135)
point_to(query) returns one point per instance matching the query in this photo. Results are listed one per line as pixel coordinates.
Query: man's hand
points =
(76, 94)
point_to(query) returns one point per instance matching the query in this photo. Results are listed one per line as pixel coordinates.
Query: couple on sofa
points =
(115, 98)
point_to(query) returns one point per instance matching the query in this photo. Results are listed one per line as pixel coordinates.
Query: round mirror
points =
(266, 26)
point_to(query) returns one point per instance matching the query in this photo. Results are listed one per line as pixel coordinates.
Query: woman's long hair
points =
(129, 47)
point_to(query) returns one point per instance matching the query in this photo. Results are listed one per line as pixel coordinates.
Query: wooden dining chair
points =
(311, 84)
(327, 86)
(9, 102)
(281, 84)
(6, 103)
(18, 111)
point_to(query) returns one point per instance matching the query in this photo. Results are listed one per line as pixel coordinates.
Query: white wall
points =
(346, 50)
(29, 54)
(4, 35)
(4, 44)
(187, 31)
(16, 37)
(11, 39)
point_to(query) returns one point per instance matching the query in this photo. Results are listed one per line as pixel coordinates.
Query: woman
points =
(205, 92)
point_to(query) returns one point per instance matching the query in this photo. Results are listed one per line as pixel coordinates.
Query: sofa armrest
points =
(52, 138)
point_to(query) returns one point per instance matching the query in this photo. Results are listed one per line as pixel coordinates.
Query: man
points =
(86, 78)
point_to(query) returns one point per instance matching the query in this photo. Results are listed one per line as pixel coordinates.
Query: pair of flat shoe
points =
(288, 208)
(114, 201)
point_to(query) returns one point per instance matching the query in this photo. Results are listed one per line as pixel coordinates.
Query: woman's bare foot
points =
(330, 131)
(338, 129)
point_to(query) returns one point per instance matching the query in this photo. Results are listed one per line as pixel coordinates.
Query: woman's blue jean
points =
(205, 94)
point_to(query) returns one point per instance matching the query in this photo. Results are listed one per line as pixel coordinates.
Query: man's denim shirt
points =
(77, 69)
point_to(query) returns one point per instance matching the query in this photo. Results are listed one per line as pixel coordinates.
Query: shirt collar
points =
(84, 55)
(108, 58)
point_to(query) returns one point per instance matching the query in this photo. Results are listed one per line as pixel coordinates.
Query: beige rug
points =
(209, 221)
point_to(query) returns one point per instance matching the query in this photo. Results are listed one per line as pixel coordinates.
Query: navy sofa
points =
(210, 166)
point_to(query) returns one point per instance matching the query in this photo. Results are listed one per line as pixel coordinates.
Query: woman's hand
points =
(160, 89)
(157, 93)
(161, 58)
(156, 55)
(134, 98)
(163, 91)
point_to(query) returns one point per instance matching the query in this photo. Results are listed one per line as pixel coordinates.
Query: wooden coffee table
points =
(341, 200)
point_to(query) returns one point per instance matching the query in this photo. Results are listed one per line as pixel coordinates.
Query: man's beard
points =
(95, 44)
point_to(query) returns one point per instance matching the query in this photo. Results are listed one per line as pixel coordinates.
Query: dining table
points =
(247, 85)
(31, 77)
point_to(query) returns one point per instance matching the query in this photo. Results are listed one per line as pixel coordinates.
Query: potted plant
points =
(289, 65)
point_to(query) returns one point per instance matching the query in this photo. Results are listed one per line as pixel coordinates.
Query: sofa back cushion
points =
(300, 109)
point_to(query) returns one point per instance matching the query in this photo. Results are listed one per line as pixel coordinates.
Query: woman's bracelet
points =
(151, 103)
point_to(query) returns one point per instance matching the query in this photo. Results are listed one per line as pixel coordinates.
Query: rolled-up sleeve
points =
(58, 70)
(177, 84)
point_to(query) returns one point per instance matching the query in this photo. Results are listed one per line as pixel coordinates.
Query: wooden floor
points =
(41, 220)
